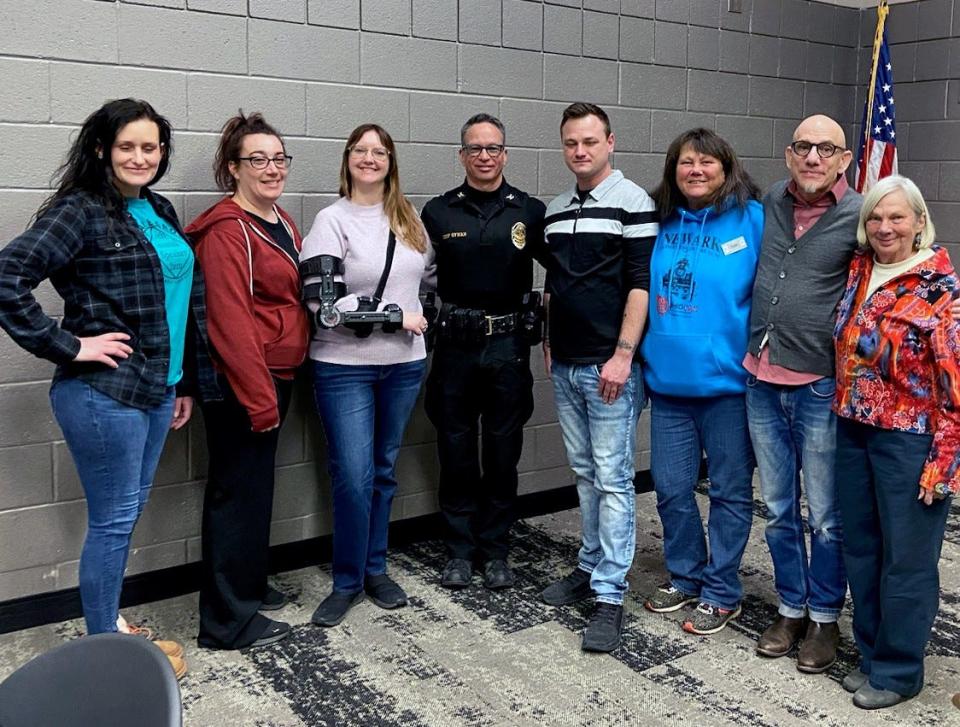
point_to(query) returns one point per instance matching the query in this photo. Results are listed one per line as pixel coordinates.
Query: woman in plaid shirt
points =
(131, 348)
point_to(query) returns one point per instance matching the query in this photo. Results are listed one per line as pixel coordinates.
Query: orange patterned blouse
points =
(898, 359)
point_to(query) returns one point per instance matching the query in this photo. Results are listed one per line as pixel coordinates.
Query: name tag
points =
(734, 246)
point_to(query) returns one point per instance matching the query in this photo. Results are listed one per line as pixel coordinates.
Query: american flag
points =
(877, 156)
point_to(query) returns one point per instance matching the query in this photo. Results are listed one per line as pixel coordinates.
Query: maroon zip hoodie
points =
(257, 325)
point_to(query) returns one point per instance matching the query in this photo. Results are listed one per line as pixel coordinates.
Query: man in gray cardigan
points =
(809, 237)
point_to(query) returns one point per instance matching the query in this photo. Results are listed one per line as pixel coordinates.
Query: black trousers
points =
(490, 388)
(237, 509)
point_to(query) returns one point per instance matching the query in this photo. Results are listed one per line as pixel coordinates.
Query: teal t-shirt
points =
(176, 259)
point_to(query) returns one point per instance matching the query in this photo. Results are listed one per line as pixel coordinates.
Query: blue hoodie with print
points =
(701, 282)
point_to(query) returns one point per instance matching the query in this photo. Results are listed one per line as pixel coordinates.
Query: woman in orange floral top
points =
(898, 436)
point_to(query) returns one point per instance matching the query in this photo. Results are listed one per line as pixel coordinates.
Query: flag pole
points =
(882, 10)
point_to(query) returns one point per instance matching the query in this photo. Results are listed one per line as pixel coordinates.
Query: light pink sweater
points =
(358, 235)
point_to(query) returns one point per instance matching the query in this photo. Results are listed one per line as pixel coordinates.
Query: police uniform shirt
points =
(485, 245)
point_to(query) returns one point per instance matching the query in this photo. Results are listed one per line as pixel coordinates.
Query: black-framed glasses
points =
(378, 152)
(281, 161)
(474, 150)
(825, 149)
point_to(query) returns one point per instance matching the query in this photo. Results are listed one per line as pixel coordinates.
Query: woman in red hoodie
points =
(248, 248)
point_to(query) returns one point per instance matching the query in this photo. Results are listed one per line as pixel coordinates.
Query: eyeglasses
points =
(378, 153)
(474, 150)
(825, 149)
(281, 161)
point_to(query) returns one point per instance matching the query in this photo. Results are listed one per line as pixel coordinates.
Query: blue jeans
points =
(891, 544)
(364, 410)
(793, 429)
(681, 429)
(116, 449)
(601, 440)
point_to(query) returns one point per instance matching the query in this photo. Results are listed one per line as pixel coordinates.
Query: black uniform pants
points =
(237, 508)
(490, 385)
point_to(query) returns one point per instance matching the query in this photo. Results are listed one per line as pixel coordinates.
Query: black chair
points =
(107, 680)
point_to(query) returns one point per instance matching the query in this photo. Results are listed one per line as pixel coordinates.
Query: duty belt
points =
(474, 325)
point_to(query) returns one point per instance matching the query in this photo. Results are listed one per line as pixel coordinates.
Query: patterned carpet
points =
(475, 658)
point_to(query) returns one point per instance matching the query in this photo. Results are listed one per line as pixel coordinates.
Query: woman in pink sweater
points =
(366, 381)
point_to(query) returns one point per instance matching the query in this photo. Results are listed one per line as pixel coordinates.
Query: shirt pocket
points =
(110, 263)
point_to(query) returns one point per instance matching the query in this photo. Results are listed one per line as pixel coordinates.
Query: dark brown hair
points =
(231, 141)
(580, 109)
(737, 183)
(404, 220)
(89, 165)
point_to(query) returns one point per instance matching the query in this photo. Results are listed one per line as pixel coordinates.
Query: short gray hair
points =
(914, 198)
(482, 119)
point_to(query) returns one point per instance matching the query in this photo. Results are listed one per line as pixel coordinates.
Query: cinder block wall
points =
(317, 68)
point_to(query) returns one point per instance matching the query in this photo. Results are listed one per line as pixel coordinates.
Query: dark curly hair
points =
(88, 166)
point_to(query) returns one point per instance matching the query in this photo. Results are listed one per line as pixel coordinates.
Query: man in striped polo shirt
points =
(600, 235)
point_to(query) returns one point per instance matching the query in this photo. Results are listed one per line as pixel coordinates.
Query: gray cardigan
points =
(799, 282)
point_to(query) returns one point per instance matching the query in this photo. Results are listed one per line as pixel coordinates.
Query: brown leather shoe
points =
(179, 666)
(819, 648)
(781, 636)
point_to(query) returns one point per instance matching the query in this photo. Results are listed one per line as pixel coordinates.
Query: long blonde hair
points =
(404, 220)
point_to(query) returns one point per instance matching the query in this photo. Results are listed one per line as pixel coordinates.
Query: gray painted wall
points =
(419, 67)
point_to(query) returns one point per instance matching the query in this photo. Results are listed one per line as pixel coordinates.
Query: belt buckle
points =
(492, 322)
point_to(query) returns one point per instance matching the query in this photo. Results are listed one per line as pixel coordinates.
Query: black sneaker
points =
(575, 587)
(274, 632)
(274, 600)
(497, 574)
(384, 591)
(457, 573)
(603, 631)
(334, 607)
(667, 599)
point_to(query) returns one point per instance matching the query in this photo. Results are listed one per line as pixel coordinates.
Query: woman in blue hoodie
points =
(701, 278)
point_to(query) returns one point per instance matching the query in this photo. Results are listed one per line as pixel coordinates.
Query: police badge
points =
(518, 235)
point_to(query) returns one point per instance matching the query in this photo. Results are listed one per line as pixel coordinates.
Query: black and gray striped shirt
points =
(601, 251)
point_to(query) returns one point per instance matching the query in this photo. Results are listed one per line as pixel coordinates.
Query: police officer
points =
(486, 235)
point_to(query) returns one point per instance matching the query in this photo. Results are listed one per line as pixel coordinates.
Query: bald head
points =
(820, 127)
(814, 174)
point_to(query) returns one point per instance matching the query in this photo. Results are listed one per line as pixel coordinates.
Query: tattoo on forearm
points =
(626, 345)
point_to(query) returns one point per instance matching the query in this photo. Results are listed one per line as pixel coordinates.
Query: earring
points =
(916, 241)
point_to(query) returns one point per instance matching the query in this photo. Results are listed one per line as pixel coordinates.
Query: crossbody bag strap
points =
(391, 247)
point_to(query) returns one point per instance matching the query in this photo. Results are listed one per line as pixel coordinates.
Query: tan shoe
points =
(170, 648)
(956, 700)
(179, 666)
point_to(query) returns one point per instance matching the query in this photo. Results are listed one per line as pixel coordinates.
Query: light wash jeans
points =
(601, 440)
(794, 429)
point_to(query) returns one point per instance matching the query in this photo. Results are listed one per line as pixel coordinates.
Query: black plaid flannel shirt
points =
(110, 279)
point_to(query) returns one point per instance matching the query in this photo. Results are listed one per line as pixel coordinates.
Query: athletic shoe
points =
(705, 620)
(667, 599)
